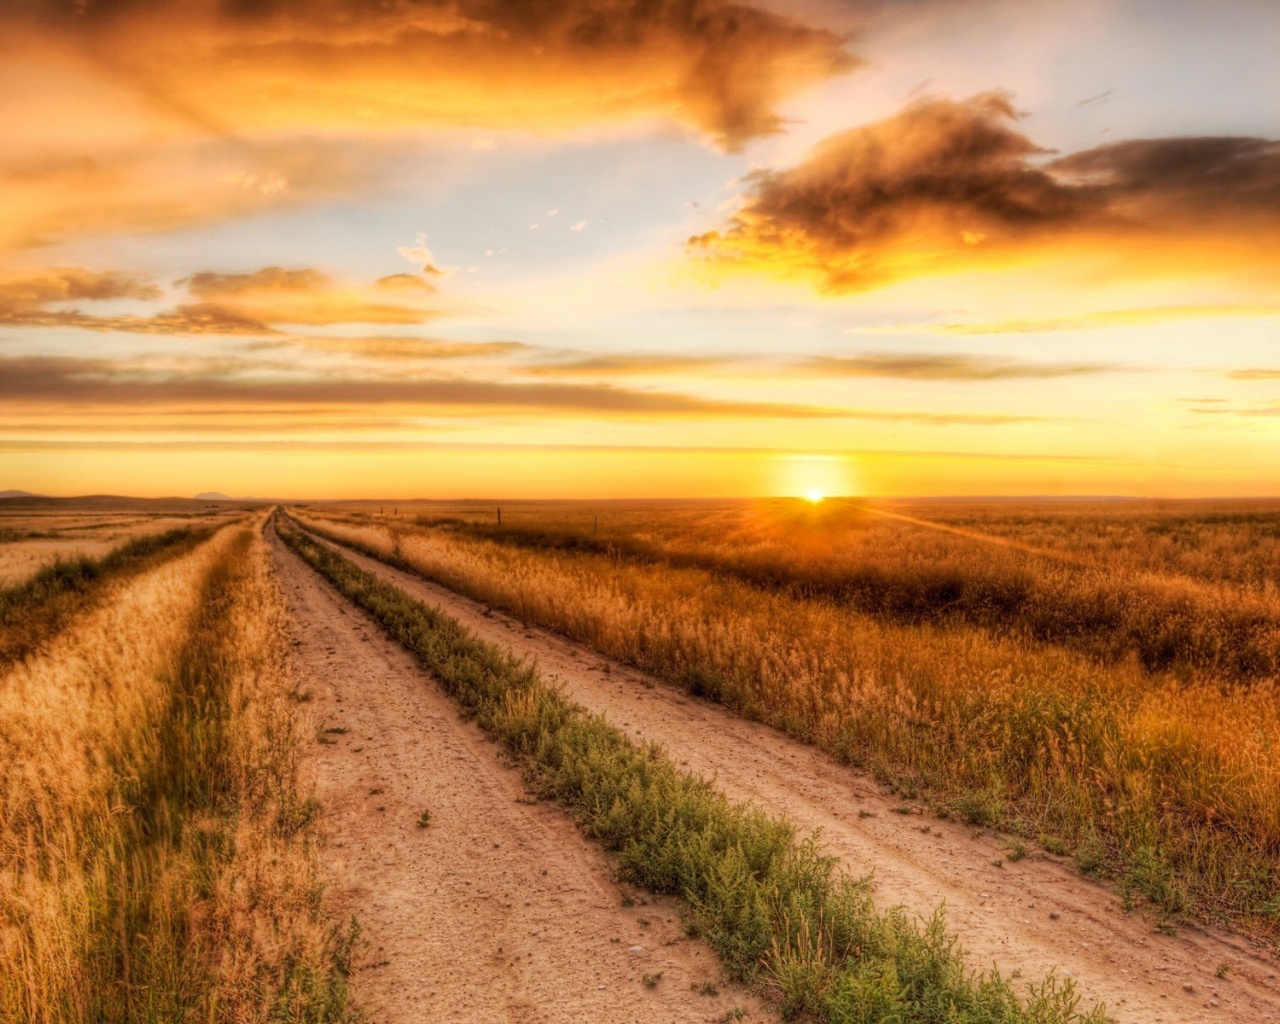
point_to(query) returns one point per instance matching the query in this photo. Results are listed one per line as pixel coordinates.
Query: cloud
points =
(61, 181)
(185, 320)
(210, 285)
(1254, 373)
(404, 349)
(310, 297)
(25, 300)
(252, 303)
(947, 366)
(1221, 407)
(947, 186)
(419, 255)
(1140, 317)
(413, 283)
(259, 65)
(70, 284)
(623, 364)
(60, 385)
(128, 116)
(36, 380)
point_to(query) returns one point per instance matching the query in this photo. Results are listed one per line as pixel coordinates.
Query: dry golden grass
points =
(1167, 780)
(156, 851)
(29, 542)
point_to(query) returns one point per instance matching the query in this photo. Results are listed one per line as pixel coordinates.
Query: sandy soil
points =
(499, 910)
(1029, 916)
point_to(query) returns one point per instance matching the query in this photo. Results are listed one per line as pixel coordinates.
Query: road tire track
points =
(498, 910)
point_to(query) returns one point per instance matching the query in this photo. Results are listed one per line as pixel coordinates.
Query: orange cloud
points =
(249, 66)
(69, 284)
(249, 303)
(946, 186)
(150, 115)
(185, 320)
(277, 296)
(25, 300)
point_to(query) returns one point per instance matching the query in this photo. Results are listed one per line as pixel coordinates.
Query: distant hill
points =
(19, 494)
(212, 496)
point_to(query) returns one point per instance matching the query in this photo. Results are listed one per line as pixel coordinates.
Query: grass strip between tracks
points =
(782, 915)
(39, 608)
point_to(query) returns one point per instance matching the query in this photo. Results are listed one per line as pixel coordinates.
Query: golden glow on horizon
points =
(814, 477)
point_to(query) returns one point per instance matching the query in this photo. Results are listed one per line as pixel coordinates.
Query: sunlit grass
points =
(1164, 780)
(157, 856)
(779, 912)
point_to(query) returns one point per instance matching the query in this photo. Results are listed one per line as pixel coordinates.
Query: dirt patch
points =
(497, 909)
(1029, 915)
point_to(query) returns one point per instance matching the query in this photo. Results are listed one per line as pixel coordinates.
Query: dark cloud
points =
(64, 383)
(947, 185)
(947, 366)
(93, 382)
(1171, 182)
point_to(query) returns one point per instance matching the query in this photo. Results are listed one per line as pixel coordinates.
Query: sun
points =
(814, 497)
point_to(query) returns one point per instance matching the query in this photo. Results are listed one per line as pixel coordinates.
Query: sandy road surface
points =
(1030, 916)
(499, 910)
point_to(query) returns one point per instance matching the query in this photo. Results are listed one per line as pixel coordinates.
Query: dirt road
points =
(1028, 916)
(499, 910)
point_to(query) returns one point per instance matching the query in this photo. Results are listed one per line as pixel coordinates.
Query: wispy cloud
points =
(254, 303)
(95, 381)
(1103, 319)
(628, 364)
(402, 349)
(63, 382)
(948, 366)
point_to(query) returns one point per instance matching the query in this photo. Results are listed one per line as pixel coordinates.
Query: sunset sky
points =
(639, 248)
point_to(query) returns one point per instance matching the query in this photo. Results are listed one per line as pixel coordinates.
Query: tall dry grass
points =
(1101, 580)
(157, 860)
(1169, 786)
(780, 913)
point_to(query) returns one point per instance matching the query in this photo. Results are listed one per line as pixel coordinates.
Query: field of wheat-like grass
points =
(1108, 698)
(157, 853)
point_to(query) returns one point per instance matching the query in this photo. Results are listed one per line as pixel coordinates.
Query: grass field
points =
(157, 846)
(1076, 675)
(1097, 677)
(780, 913)
(36, 533)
